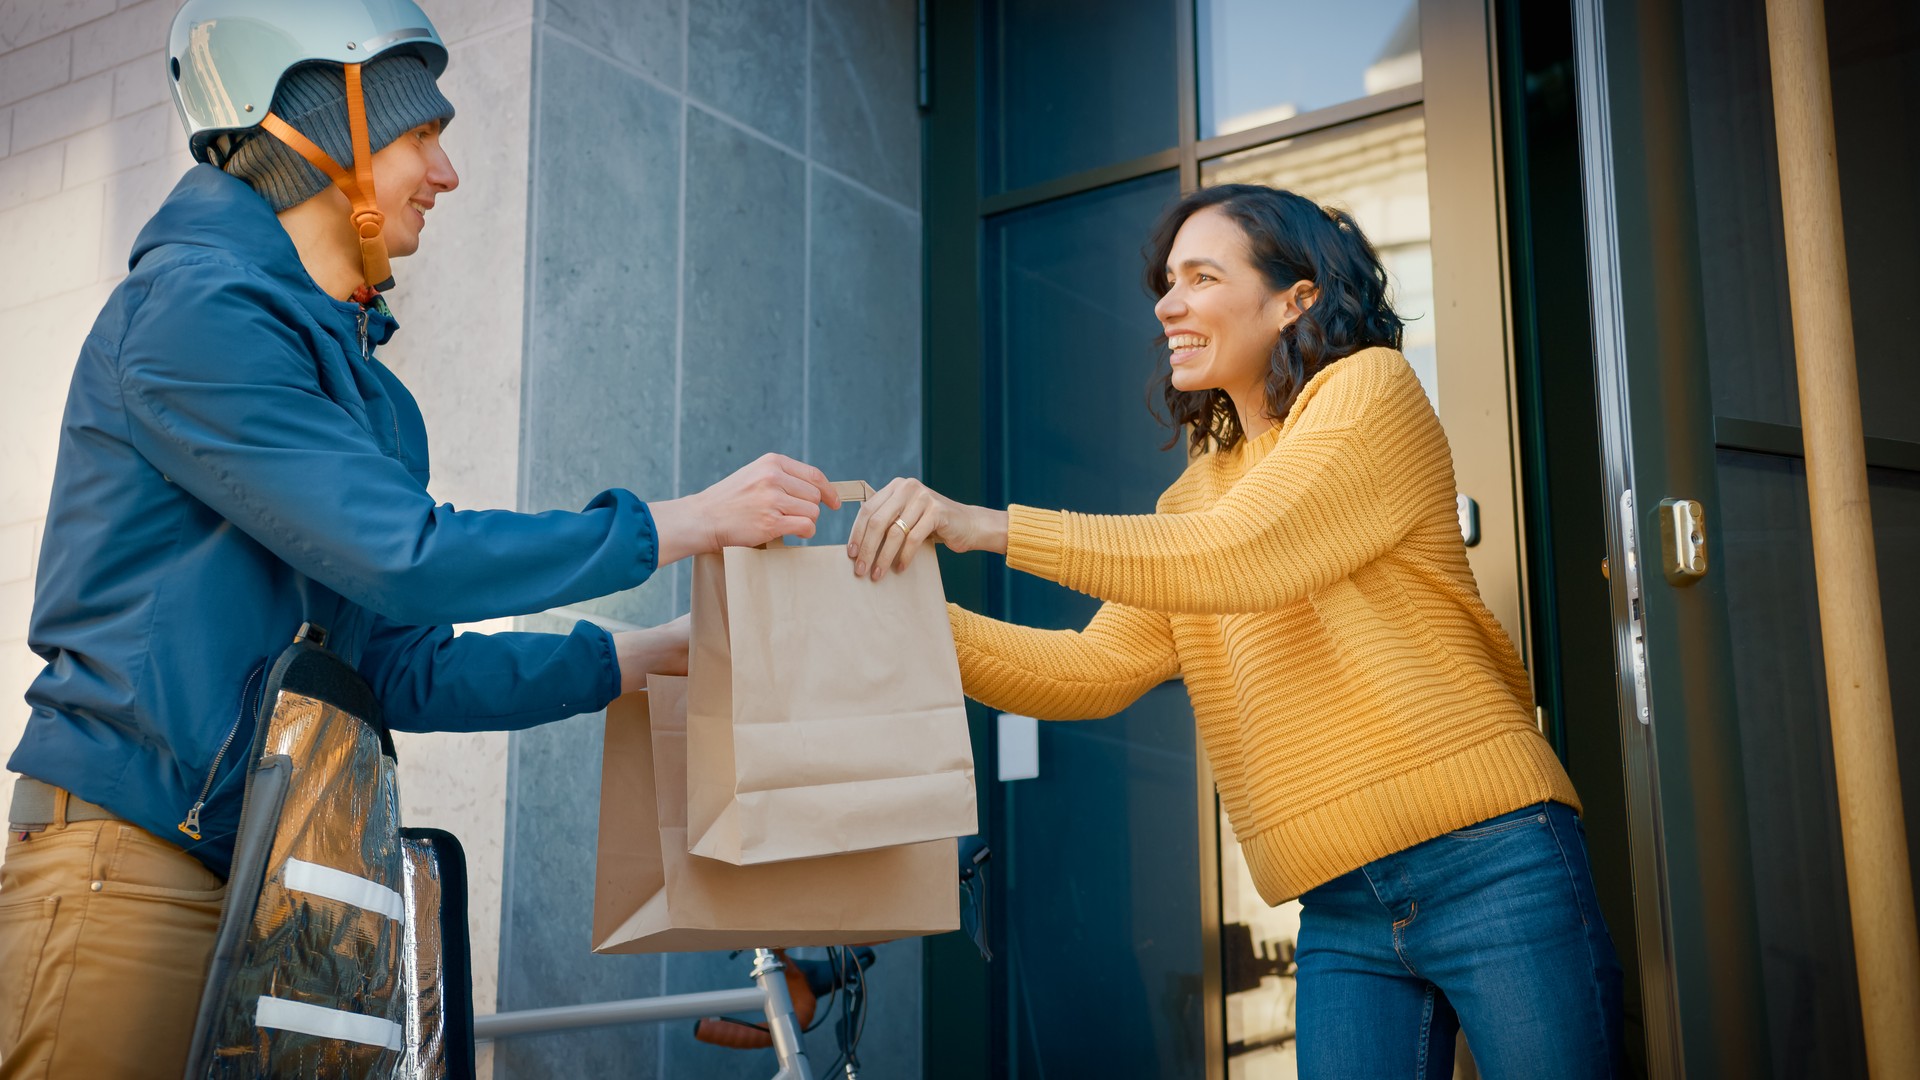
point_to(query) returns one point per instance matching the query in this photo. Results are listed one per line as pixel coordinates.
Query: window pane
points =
(1262, 61)
(1102, 865)
(1256, 946)
(1377, 171)
(1075, 85)
(1873, 47)
(1786, 748)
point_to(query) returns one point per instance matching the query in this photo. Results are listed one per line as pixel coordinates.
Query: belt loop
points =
(60, 797)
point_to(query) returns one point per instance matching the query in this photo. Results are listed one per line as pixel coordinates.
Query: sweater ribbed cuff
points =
(1035, 540)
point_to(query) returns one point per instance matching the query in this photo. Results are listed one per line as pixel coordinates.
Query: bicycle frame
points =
(770, 995)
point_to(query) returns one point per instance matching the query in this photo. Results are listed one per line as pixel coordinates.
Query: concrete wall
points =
(459, 350)
(724, 260)
(687, 232)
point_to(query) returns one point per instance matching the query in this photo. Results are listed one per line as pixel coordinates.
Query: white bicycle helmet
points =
(225, 60)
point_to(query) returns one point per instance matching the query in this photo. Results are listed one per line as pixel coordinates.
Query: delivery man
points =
(234, 462)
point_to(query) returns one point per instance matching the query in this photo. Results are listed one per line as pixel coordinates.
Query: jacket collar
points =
(211, 209)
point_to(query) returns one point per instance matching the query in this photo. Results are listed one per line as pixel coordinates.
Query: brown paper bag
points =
(651, 896)
(824, 710)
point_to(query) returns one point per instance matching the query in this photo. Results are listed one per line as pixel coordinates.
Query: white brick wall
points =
(89, 147)
(75, 170)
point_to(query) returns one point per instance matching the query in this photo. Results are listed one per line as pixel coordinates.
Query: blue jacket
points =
(233, 462)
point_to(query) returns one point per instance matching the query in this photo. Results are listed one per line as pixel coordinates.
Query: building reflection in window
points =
(1262, 62)
(1376, 170)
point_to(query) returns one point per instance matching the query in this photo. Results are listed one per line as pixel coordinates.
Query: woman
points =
(235, 461)
(1369, 723)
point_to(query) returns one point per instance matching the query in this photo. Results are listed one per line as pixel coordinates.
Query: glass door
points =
(1376, 169)
(1129, 938)
(1378, 121)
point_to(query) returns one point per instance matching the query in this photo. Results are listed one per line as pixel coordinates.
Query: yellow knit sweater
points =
(1354, 694)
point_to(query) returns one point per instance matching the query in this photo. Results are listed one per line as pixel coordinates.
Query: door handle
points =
(1469, 519)
(1683, 540)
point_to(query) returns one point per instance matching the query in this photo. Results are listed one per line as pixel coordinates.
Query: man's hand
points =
(657, 650)
(773, 497)
(904, 515)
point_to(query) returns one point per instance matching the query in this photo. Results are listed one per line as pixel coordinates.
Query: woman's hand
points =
(657, 650)
(773, 497)
(904, 515)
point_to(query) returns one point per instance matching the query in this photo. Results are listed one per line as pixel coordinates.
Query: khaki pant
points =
(105, 936)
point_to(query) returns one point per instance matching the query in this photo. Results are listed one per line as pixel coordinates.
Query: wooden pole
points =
(1872, 826)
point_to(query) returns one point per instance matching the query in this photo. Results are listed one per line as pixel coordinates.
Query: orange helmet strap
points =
(367, 219)
(357, 186)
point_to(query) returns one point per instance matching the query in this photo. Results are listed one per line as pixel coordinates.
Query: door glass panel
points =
(1262, 61)
(1377, 171)
(1256, 969)
(1873, 48)
(1074, 85)
(1895, 495)
(1800, 896)
(1736, 181)
(1101, 862)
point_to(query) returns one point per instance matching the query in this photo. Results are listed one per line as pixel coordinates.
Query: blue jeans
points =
(1493, 928)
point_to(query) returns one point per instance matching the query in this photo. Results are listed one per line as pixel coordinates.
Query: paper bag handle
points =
(850, 491)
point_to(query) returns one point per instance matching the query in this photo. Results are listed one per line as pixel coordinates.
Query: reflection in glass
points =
(1075, 85)
(1376, 171)
(1256, 943)
(1263, 61)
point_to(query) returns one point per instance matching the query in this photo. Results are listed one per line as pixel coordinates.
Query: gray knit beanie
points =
(400, 94)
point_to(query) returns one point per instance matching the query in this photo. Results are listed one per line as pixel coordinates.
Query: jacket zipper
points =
(191, 826)
(366, 354)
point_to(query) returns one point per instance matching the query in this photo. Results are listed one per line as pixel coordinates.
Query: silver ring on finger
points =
(901, 524)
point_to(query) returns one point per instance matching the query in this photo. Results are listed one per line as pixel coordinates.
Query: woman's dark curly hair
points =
(1289, 239)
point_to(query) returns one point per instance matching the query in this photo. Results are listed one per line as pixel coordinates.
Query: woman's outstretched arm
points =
(1064, 674)
(1364, 460)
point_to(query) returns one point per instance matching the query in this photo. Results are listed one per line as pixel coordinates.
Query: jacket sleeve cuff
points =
(1036, 540)
(610, 663)
(649, 540)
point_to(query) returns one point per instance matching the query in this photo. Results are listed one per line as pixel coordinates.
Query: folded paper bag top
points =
(651, 896)
(824, 710)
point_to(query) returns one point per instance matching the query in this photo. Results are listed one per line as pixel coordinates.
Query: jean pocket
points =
(142, 865)
(25, 924)
(1505, 823)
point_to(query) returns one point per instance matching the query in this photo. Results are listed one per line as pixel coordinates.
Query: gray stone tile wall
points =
(863, 334)
(743, 352)
(864, 92)
(748, 60)
(723, 259)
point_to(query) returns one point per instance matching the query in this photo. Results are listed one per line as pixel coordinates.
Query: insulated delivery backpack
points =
(342, 948)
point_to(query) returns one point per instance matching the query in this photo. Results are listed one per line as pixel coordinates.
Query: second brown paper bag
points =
(824, 711)
(651, 896)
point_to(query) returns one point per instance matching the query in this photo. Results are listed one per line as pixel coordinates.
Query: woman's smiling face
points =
(1221, 317)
